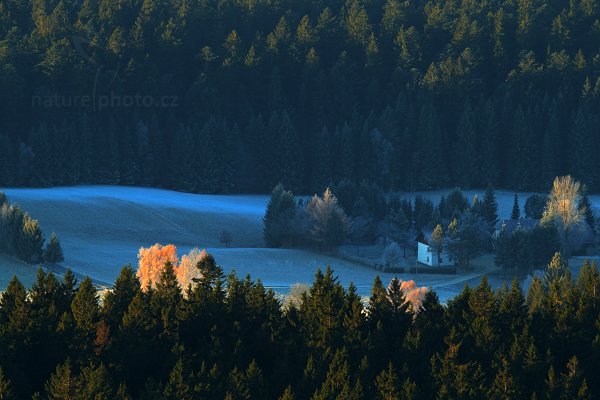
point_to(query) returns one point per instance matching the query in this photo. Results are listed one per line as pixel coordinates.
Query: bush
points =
(393, 254)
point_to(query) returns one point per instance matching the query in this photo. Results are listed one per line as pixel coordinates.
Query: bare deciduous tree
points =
(563, 209)
(330, 224)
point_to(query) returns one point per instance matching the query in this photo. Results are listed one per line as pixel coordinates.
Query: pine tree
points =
(516, 211)
(54, 252)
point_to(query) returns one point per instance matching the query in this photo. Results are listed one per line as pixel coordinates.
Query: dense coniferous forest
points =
(236, 96)
(229, 338)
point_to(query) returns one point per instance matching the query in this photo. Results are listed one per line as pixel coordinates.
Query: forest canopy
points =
(237, 96)
(230, 338)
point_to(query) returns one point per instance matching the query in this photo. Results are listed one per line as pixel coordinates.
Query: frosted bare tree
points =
(437, 240)
(563, 209)
(330, 224)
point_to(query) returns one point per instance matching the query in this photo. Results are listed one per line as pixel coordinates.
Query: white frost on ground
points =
(102, 227)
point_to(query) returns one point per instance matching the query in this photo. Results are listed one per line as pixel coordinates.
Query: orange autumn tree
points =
(413, 294)
(151, 262)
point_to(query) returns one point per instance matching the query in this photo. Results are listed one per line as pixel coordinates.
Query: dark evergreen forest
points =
(238, 95)
(229, 338)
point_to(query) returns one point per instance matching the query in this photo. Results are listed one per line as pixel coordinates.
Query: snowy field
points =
(102, 227)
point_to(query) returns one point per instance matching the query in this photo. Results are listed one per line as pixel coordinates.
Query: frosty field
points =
(102, 227)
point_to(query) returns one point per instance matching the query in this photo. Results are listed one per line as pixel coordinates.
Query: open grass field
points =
(101, 229)
(10, 267)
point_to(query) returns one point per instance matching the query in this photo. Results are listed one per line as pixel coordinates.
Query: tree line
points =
(231, 338)
(22, 237)
(405, 94)
(320, 222)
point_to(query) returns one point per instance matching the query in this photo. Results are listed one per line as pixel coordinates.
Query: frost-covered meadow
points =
(102, 227)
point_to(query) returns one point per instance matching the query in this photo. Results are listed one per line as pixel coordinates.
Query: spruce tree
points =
(557, 269)
(54, 252)
(338, 381)
(117, 300)
(12, 301)
(504, 385)
(387, 384)
(85, 307)
(30, 241)
(489, 207)
(278, 217)
(63, 385)
(167, 299)
(454, 377)
(95, 383)
(516, 211)
(177, 388)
